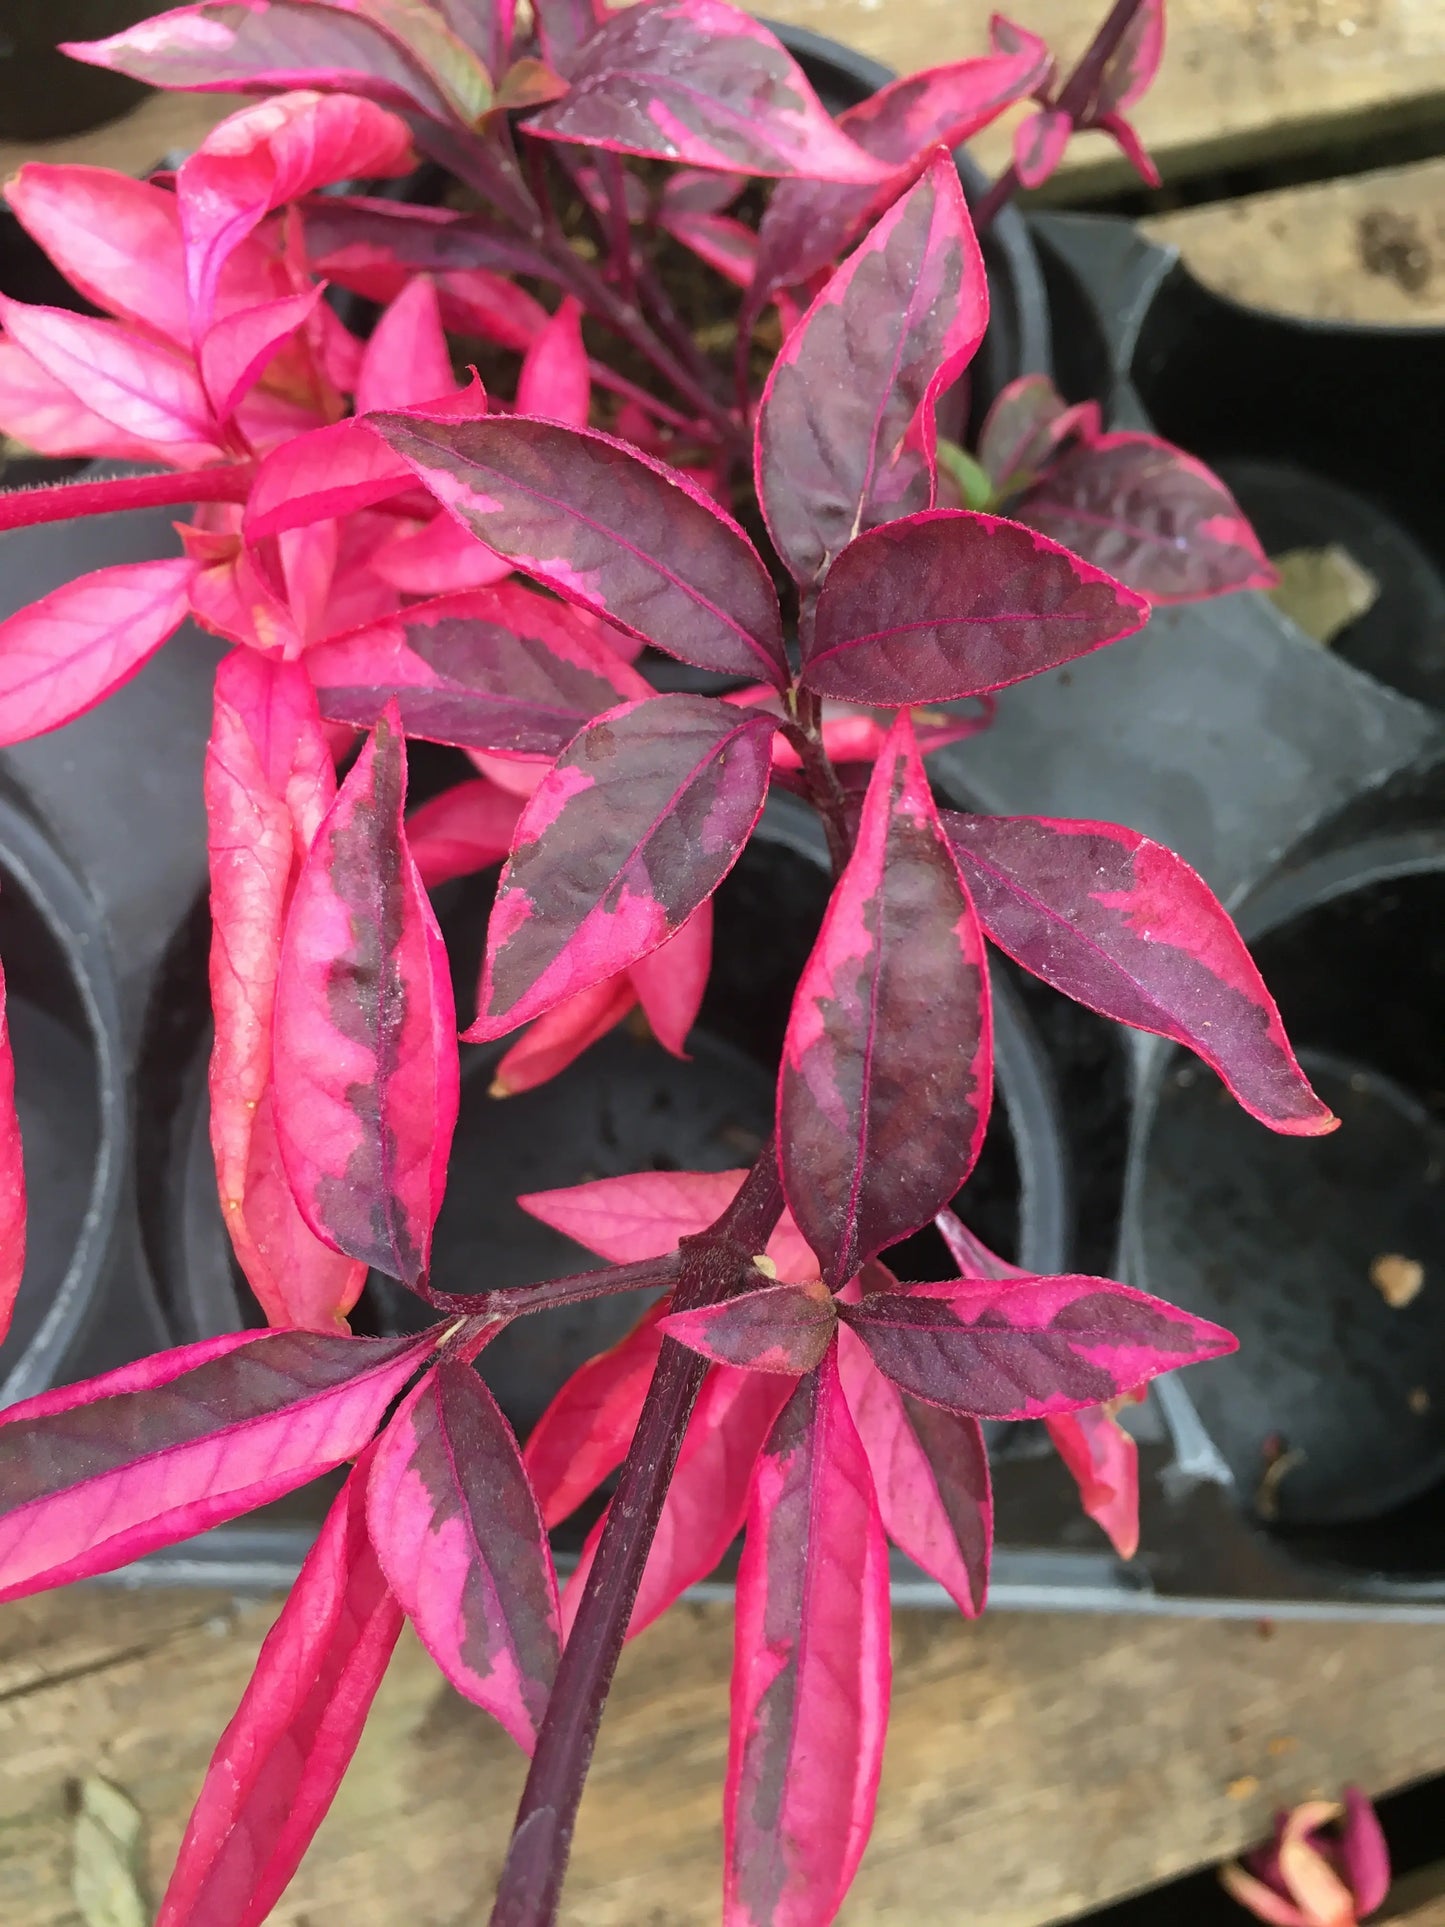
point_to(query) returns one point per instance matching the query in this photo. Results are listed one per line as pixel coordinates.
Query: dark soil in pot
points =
(1325, 1256)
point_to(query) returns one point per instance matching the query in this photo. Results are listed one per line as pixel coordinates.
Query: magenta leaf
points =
(374, 247)
(505, 670)
(555, 383)
(1125, 926)
(70, 650)
(461, 1541)
(1024, 428)
(366, 1073)
(105, 1472)
(1029, 1347)
(1039, 143)
(952, 603)
(808, 224)
(1131, 147)
(43, 414)
(811, 1669)
(321, 474)
(1363, 1853)
(707, 1498)
(607, 528)
(774, 1328)
(845, 433)
(1152, 516)
(115, 239)
(584, 1433)
(700, 82)
(1103, 1461)
(275, 1772)
(559, 1037)
(231, 46)
(465, 829)
(1130, 69)
(238, 347)
(406, 361)
(12, 1178)
(892, 1002)
(930, 1471)
(670, 981)
(633, 828)
(269, 781)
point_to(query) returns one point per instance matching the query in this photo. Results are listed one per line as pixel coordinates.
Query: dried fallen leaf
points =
(1266, 1498)
(1398, 1280)
(1323, 590)
(1244, 1788)
(107, 1852)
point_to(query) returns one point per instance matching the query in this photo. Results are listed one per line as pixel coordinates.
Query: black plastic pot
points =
(44, 95)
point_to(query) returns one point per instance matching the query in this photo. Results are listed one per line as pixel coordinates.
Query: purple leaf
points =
(565, 26)
(811, 1669)
(1039, 143)
(808, 224)
(887, 1069)
(1125, 926)
(1023, 429)
(97, 1474)
(930, 1471)
(700, 82)
(1130, 69)
(950, 603)
(232, 46)
(775, 1328)
(636, 825)
(1152, 516)
(607, 528)
(845, 434)
(461, 1541)
(67, 652)
(501, 669)
(1029, 1347)
(366, 1067)
(275, 1772)
(486, 26)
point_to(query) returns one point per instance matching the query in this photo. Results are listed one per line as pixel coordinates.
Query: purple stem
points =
(1074, 98)
(712, 1266)
(645, 1274)
(27, 508)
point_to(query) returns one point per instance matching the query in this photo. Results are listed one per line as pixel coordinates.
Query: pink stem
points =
(27, 508)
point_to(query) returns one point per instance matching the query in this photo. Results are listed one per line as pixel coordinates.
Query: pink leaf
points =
(811, 1670)
(67, 652)
(584, 1433)
(700, 82)
(645, 1214)
(1150, 515)
(466, 828)
(275, 1772)
(1364, 1856)
(12, 1178)
(367, 1076)
(437, 559)
(117, 240)
(671, 981)
(268, 783)
(106, 1472)
(42, 413)
(406, 360)
(555, 382)
(144, 388)
(774, 1328)
(1039, 143)
(607, 528)
(1125, 926)
(270, 48)
(1025, 427)
(238, 347)
(1131, 68)
(329, 472)
(951, 603)
(461, 1541)
(729, 247)
(502, 669)
(559, 1038)
(707, 1497)
(637, 823)
(1103, 1461)
(266, 155)
(1122, 133)
(846, 434)
(892, 1002)
(930, 1471)
(1030, 1347)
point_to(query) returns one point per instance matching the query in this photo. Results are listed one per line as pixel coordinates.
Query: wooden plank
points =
(1369, 247)
(1040, 1765)
(1242, 80)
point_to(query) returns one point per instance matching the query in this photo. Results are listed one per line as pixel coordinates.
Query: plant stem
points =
(1074, 97)
(536, 1864)
(27, 508)
(574, 1289)
(825, 792)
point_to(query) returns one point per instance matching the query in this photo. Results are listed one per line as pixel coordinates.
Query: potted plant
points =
(397, 556)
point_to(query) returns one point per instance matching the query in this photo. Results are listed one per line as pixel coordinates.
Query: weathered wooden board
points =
(1037, 1765)
(1368, 247)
